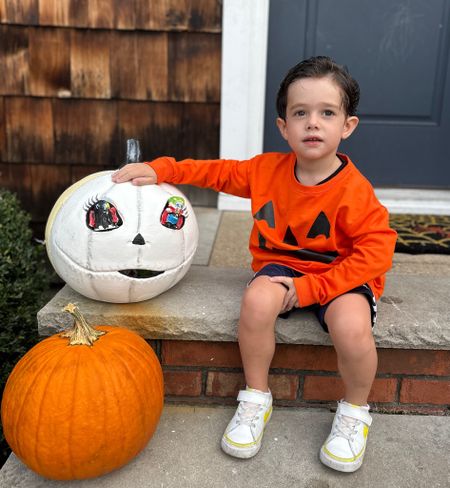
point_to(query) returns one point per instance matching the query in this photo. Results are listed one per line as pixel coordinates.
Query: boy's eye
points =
(299, 113)
(328, 113)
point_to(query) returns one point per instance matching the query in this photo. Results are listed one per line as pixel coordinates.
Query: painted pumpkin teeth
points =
(140, 273)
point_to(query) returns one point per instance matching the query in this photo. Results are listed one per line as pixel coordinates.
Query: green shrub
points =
(23, 283)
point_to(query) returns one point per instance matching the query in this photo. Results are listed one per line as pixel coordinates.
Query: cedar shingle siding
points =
(78, 78)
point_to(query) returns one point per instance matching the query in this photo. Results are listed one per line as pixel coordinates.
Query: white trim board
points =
(243, 86)
(245, 30)
(245, 27)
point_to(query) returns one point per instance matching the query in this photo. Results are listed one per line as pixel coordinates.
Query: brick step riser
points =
(408, 381)
(305, 388)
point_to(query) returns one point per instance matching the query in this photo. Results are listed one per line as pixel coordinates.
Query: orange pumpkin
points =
(80, 407)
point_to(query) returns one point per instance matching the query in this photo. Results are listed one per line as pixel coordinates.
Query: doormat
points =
(421, 234)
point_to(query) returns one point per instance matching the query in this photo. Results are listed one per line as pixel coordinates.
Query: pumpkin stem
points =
(81, 333)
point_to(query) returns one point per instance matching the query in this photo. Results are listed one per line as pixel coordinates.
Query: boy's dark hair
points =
(318, 67)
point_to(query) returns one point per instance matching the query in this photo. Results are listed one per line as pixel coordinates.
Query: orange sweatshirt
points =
(336, 233)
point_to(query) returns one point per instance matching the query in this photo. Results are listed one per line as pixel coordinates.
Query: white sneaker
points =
(243, 435)
(345, 446)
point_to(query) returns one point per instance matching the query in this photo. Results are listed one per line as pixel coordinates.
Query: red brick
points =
(316, 358)
(226, 354)
(323, 388)
(284, 386)
(435, 392)
(332, 388)
(183, 383)
(416, 362)
(198, 353)
(384, 390)
(225, 384)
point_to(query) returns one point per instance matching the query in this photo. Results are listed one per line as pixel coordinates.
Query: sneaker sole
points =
(240, 452)
(344, 467)
(243, 452)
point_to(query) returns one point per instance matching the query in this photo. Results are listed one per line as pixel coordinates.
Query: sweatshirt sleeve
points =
(225, 175)
(369, 258)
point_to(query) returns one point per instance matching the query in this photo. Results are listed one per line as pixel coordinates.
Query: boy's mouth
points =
(312, 139)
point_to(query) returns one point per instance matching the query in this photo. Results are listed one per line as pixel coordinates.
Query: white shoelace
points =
(248, 413)
(346, 427)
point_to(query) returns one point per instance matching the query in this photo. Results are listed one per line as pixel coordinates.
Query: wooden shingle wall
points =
(79, 77)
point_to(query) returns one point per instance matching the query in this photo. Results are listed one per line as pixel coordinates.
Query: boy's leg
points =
(261, 304)
(350, 326)
(349, 322)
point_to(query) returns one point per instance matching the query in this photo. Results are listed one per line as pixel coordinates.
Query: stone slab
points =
(413, 313)
(403, 451)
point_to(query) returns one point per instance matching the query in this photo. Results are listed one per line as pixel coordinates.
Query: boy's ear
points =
(349, 126)
(281, 124)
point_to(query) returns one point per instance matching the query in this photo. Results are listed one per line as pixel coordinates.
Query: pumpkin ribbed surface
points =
(73, 412)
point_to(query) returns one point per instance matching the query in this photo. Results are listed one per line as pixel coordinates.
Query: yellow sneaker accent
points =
(345, 447)
(244, 433)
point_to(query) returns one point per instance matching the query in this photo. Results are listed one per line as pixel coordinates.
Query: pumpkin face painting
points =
(121, 243)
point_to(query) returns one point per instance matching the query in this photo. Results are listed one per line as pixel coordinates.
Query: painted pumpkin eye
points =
(174, 213)
(102, 216)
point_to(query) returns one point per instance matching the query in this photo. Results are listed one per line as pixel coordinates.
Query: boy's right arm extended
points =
(226, 175)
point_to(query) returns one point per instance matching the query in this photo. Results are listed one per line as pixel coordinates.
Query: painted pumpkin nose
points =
(138, 240)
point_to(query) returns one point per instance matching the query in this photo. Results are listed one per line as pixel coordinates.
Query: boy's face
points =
(316, 121)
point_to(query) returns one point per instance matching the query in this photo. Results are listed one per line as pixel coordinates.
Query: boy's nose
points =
(312, 122)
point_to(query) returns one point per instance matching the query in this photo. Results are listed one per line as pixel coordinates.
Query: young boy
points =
(320, 239)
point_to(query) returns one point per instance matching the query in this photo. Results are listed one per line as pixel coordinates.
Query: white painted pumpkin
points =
(121, 243)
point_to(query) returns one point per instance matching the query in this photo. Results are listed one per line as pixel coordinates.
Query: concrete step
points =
(205, 306)
(403, 452)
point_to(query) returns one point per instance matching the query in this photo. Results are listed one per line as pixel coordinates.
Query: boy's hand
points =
(137, 173)
(290, 299)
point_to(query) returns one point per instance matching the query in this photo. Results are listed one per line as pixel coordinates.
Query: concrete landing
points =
(403, 452)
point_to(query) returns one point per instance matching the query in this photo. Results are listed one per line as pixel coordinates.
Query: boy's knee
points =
(260, 302)
(352, 338)
(349, 316)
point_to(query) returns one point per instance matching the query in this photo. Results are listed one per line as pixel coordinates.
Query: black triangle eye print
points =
(289, 238)
(266, 213)
(321, 226)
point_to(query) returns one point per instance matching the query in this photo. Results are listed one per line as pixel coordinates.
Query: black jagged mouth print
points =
(140, 274)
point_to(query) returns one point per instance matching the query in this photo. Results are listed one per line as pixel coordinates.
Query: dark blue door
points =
(399, 53)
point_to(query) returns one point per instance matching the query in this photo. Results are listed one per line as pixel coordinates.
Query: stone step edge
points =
(204, 306)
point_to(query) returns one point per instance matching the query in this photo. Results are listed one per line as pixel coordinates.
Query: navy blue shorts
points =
(319, 310)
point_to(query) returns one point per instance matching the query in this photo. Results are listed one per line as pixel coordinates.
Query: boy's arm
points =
(229, 176)
(371, 257)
